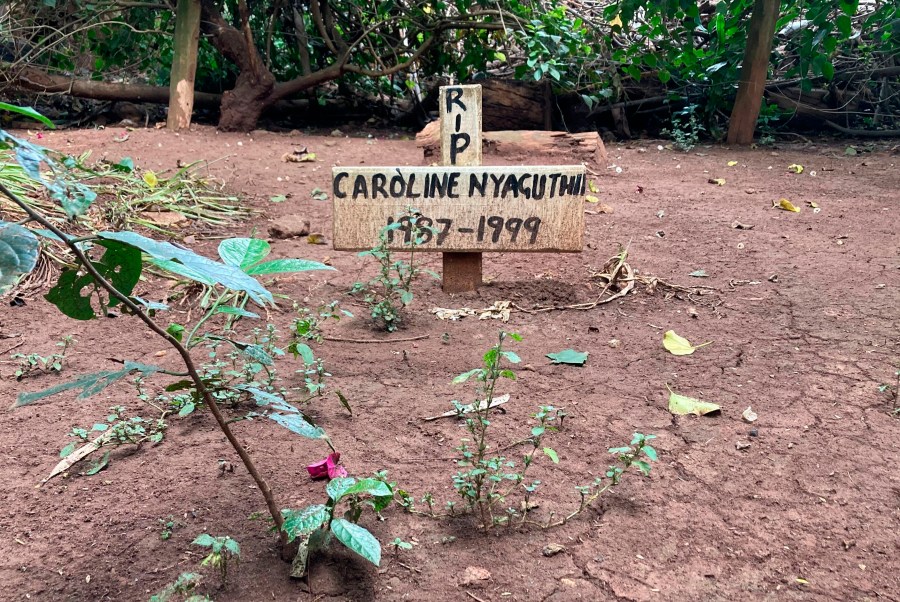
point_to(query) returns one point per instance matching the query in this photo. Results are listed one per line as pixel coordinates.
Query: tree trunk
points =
(184, 64)
(252, 93)
(753, 72)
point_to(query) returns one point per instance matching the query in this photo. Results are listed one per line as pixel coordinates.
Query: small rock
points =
(289, 226)
(754, 433)
(749, 415)
(692, 312)
(614, 343)
(593, 329)
(741, 445)
(750, 191)
(473, 575)
(552, 549)
(337, 134)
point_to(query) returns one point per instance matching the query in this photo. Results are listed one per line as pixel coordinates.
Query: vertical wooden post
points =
(184, 64)
(753, 72)
(460, 108)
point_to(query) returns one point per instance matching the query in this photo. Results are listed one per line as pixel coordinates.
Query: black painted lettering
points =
(452, 191)
(553, 178)
(454, 97)
(523, 185)
(359, 188)
(410, 193)
(458, 143)
(458, 122)
(532, 225)
(378, 182)
(445, 230)
(538, 186)
(338, 193)
(438, 185)
(511, 185)
(513, 225)
(496, 180)
(583, 185)
(398, 185)
(474, 184)
(495, 222)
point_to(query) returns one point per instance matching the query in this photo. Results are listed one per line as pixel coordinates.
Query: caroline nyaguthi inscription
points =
(454, 184)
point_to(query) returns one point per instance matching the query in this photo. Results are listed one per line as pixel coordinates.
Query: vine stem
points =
(261, 483)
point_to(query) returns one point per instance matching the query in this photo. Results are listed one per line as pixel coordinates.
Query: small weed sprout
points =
(222, 551)
(388, 293)
(398, 544)
(168, 526)
(32, 363)
(485, 481)
(686, 129)
(183, 587)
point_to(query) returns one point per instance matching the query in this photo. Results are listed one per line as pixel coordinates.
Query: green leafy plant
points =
(686, 129)
(168, 526)
(32, 362)
(487, 481)
(317, 525)
(392, 289)
(223, 552)
(104, 275)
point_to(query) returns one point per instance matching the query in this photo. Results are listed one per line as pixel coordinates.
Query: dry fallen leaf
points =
(786, 205)
(732, 163)
(718, 181)
(739, 226)
(678, 345)
(593, 187)
(316, 239)
(749, 415)
(681, 405)
(795, 168)
(591, 199)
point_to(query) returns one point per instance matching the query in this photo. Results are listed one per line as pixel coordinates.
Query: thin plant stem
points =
(261, 483)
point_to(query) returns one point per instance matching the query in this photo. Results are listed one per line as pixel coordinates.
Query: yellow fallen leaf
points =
(732, 163)
(678, 345)
(718, 181)
(617, 20)
(591, 199)
(593, 187)
(787, 206)
(802, 581)
(682, 405)
(151, 179)
(308, 157)
(795, 168)
(316, 239)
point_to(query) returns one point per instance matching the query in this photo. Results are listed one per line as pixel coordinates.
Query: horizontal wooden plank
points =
(490, 209)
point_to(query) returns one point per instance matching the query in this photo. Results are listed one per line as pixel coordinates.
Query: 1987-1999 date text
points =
(490, 227)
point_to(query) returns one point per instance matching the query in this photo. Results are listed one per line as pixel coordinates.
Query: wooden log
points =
(560, 147)
(515, 105)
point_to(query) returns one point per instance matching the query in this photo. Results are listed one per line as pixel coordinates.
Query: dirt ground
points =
(802, 315)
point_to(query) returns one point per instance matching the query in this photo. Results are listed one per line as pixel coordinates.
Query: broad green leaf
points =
(243, 252)
(264, 398)
(256, 353)
(67, 294)
(232, 546)
(235, 311)
(183, 270)
(650, 452)
(512, 357)
(681, 405)
(19, 250)
(678, 345)
(466, 376)
(28, 112)
(551, 453)
(126, 165)
(67, 450)
(90, 384)
(286, 266)
(176, 331)
(212, 271)
(406, 297)
(121, 265)
(298, 423)
(304, 351)
(186, 409)
(298, 523)
(204, 539)
(357, 539)
(98, 466)
(372, 487)
(569, 356)
(337, 487)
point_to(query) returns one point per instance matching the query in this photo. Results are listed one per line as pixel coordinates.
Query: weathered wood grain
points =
(489, 209)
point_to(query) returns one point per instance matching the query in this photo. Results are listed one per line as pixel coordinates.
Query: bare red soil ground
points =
(804, 327)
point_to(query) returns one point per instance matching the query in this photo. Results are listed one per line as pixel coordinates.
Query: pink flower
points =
(40, 136)
(329, 467)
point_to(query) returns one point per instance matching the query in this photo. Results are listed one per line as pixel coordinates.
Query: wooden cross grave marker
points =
(471, 208)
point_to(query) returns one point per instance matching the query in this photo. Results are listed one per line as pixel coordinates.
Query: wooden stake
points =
(460, 108)
(184, 64)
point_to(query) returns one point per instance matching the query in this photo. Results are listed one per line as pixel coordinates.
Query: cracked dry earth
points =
(803, 321)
